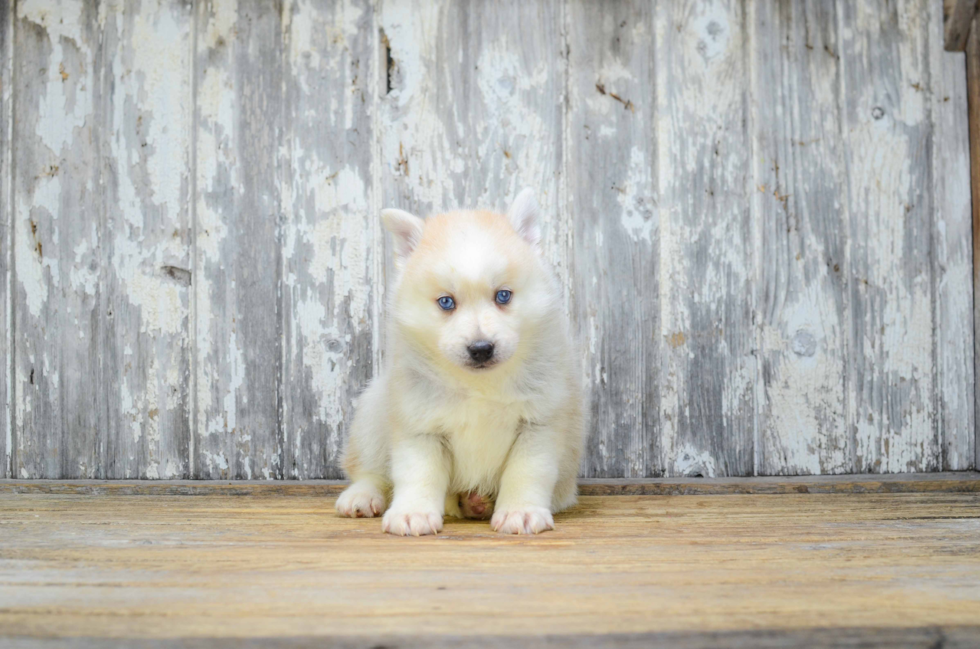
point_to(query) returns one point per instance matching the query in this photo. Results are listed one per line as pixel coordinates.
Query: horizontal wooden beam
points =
(815, 638)
(957, 18)
(958, 482)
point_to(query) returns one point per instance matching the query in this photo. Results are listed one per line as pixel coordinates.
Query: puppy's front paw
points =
(522, 520)
(361, 500)
(406, 522)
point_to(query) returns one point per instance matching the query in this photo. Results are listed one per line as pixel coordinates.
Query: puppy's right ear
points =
(405, 229)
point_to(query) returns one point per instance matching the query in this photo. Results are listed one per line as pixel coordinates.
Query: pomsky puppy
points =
(480, 409)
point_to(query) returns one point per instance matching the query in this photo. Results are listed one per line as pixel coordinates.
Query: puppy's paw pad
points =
(522, 520)
(405, 523)
(360, 502)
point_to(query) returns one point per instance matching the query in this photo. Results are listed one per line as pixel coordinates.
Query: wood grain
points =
(6, 234)
(136, 567)
(146, 129)
(952, 263)
(891, 377)
(973, 102)
(60, 296)
(332, 236)
(954, 637)
(758, 210)
(957, 18)
(958, 482)
(797, 201)
(238, 257)
(472, 111)
(708, 368)
(615, 255)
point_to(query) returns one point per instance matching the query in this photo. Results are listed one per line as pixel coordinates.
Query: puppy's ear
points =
(405, 229)
(524, 215)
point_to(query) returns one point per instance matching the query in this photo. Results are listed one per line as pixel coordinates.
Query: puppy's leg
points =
(420, 472)
(528, 483)
(366, 458)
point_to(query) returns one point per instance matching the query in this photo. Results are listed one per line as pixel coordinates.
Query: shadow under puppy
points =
(480, 408)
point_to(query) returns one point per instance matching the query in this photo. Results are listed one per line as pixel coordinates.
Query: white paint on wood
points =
(797, 195)
(952, 251)
(6, 237)
(237, 266)
(707, 380)
(614, 219)
(58, 197)
(331, 236)
(474, 110)
(148, 131)
(891, 381)
(59, 115)
(760, 213)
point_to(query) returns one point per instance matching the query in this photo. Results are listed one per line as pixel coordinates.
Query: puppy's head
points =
(472, 286)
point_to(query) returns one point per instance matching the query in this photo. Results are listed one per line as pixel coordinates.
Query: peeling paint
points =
(760, 215)
(66, 106)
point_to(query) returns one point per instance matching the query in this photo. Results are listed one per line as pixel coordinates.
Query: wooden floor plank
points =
(286, 569)
(950, 482)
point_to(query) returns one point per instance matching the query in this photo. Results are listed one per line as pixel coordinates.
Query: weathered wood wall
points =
(760, 212)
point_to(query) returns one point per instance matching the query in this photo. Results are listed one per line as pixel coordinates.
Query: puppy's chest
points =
(480, 434)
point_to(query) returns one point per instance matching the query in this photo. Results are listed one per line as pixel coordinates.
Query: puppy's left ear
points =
(525, 215)
(406, 231)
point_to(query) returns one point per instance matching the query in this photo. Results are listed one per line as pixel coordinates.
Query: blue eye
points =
(446, 303)
(503, 297)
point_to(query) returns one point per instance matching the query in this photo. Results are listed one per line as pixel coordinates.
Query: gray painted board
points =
(146, 128)
(952, 251)
(472, 111)
(797, 197)
(59, 288)
(6, 232)
(615, 220)
(759, 212)
(332, 233)
(891, 289)
(238, 259)
(708, 366)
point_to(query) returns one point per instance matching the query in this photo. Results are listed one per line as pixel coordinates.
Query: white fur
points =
(523, 215)
(431, 425)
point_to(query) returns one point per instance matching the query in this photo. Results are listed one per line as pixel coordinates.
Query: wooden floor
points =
(804, 569)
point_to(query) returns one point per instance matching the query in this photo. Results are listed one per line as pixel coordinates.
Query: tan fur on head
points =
(469, 257)
(482, 396)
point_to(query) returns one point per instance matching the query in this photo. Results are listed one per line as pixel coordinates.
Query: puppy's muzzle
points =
(481, 351)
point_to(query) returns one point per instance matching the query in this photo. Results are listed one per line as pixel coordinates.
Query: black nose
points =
(481, 351)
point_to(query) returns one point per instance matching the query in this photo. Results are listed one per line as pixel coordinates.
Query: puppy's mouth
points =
(485, 365)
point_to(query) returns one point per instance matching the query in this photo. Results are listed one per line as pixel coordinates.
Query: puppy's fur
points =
(443, 428)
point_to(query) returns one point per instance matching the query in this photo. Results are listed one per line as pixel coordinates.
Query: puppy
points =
(480, 408)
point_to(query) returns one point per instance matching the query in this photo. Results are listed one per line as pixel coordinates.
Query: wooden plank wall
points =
(760, 212)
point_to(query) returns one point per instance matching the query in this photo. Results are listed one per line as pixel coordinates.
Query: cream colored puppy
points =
(480, 407)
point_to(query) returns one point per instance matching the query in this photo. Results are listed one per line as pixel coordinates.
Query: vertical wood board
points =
(799, 185)
(332, 236)
(952, 252)
(708, 370)
(59, 233)
(888, 149)
(238, 264)
(146, 130)
(472, 111)
(6, 235)
(973, 103)
(614, 218)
